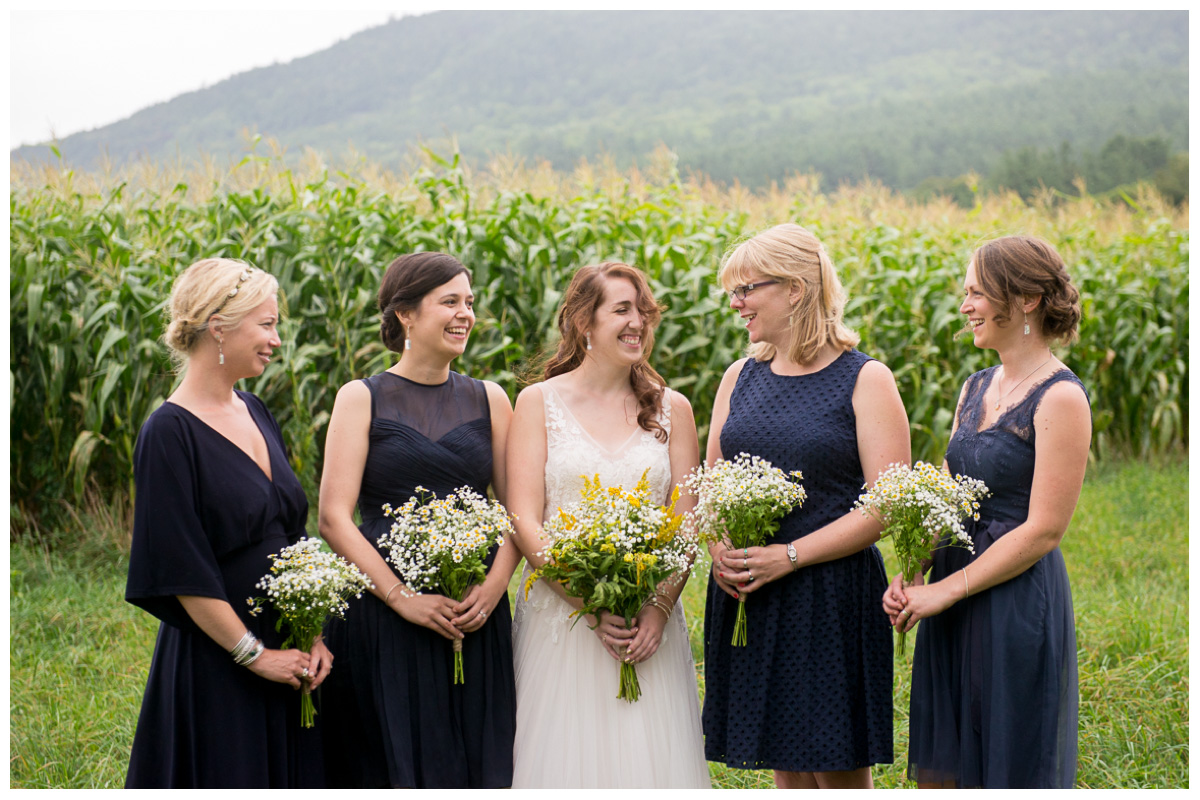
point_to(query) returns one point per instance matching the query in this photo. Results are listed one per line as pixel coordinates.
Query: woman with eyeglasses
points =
(810, 695)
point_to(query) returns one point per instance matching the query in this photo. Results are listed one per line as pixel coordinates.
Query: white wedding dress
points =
(572, 731)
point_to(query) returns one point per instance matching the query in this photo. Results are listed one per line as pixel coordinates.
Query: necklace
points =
(1000, 397)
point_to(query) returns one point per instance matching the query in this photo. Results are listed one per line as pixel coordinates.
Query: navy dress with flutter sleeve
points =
(206, 521)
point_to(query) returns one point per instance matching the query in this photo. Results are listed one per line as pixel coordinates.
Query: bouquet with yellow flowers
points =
(740, 503)
(612, 550)
(307, 586)
(922, 508)
(441, 544)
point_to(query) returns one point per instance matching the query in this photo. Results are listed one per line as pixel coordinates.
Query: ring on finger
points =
(750, 572)
(304, 672)
(483, 613)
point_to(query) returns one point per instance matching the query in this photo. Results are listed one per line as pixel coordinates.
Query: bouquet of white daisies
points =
(440, 544)
(307, 586)
(740, 503)
(922, 508)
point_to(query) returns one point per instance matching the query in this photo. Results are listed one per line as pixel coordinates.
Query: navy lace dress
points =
(205, 523)
(392, 715)
(812, 690)
(995, 691)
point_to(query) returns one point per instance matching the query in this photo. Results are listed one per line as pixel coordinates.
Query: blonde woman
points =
(810, 696)
(215, 498)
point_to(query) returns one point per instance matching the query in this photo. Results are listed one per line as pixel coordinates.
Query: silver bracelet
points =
(247, 650)
(243, 647)
(258, 651)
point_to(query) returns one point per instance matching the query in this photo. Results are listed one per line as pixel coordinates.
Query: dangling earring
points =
(220, 352)
(408, 337)
(1026, 323)
(588, 337)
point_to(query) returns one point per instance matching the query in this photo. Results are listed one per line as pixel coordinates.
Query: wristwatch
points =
(792, 555)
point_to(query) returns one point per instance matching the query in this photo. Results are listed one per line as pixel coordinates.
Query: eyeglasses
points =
(740, 292)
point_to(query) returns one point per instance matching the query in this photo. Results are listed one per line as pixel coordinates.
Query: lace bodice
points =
(1002, 454)
(571, 453)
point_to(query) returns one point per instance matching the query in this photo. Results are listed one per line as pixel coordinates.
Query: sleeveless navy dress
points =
(393, 716)
(995, 691)
(812, 690)
(206, 522)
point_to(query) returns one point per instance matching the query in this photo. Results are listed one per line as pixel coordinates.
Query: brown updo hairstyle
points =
(201, 298)
(405, 283)
(1015, 267)
(793, 256)
(575, 315)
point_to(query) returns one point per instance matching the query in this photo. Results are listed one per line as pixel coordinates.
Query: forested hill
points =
(751, 96)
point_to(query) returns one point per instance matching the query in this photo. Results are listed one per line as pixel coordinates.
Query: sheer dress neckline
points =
(980, 400)
(417, 383)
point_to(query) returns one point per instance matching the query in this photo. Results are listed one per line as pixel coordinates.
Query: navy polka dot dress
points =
(812, 690)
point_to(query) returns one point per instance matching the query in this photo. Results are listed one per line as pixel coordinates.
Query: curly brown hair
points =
(575, 315)
(1015, 267)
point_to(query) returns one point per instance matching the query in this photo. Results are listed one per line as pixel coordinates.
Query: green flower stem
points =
(739, 625)
(630, 689)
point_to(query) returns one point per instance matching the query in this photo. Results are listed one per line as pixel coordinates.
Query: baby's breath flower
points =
(922, 508)
(439, 545)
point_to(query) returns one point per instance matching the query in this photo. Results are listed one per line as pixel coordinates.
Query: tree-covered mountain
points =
(752, 96)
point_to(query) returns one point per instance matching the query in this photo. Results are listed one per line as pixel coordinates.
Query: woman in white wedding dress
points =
(601, 410)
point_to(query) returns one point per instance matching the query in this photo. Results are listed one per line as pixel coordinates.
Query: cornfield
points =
(92, 257)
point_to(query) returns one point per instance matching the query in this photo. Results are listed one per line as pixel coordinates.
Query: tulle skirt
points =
(995, 685)
(573, 732)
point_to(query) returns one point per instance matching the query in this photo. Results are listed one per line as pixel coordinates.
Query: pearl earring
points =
(408, 337)
(588, 337)
(220, 352)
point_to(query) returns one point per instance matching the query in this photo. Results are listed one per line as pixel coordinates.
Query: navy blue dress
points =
(206, 522)
(393, 716)
(812, 690)
(995, 691)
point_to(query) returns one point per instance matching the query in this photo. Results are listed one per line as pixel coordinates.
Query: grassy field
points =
(79, 654)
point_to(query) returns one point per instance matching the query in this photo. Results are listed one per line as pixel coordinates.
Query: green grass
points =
(79, 653)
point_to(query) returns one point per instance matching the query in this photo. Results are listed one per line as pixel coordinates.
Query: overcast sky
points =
(73, 69)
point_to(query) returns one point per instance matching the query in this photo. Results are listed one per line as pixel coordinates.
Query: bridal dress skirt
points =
(573, 732)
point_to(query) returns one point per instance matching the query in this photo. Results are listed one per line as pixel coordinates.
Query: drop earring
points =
(588, 337)
(1026, 323)
(408, 337)
(220, 352)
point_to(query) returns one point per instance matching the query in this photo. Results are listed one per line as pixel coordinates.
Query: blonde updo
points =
(201, 297)
(796, 258)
